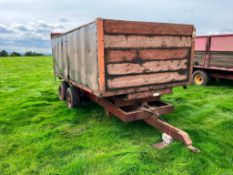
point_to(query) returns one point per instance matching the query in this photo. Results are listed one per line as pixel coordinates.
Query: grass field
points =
(39, 135)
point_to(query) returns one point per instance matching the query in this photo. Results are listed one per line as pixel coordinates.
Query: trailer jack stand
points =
(172, 131)
(167, 139)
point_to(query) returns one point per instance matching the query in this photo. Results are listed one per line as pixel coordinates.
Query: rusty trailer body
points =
(213, 57)
(125, 66)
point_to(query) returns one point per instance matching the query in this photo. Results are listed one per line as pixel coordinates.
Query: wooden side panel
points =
(152, 66)
(146, 28)
(114, 56)
(145, 79)
(199, 58)
(139, 54)
(221, 59)
(134, 41)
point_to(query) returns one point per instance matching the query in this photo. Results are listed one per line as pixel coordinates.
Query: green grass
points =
(39, 135)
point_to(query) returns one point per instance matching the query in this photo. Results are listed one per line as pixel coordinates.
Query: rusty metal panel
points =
(75, 56)
(222, 43)
(59, 63)
(54, 45)
(64, 56)
(201, 43)
(83, 56)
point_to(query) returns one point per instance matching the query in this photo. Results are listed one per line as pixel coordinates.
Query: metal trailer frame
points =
(145, 106)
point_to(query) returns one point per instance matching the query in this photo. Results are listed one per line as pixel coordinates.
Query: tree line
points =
(4, 53)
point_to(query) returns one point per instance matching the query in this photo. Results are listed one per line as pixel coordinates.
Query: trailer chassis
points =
(149, 109)
(145, 106)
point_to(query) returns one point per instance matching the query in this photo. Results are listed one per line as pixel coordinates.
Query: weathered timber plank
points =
(145, 54)
(152, 54)
(221, 59)
(146, 28)
(153, 66)
(120, 55)
(146, 79)
(134, 41)
(199, 59)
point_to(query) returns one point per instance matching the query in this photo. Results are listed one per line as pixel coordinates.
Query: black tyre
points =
(62, 90)
(73, 97)
(200, 78)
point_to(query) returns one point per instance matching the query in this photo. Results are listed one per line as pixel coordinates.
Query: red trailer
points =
(213, 58)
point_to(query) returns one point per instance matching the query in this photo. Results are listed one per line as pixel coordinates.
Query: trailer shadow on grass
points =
(221, 82)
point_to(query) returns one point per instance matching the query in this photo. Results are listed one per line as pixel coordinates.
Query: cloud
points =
(64, 20)
(33, 34)
(221, 31)
(34, 28)
(4, 29)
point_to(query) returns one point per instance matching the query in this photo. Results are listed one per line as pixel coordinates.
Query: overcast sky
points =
(26, 24)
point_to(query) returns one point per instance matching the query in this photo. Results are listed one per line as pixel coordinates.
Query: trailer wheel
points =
(73, 97)
(200, 78)
(62, 90)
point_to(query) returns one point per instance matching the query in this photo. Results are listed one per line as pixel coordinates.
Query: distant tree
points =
(15, 54)
(30, 53)
(4, 53)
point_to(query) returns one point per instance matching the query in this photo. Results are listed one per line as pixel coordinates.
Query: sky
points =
(26, 24)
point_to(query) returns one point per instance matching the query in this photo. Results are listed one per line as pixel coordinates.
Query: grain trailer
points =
(125, 67)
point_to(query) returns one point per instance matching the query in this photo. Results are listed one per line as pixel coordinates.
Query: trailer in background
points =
(125, 67)
(213, 58)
